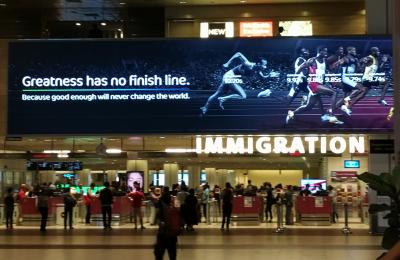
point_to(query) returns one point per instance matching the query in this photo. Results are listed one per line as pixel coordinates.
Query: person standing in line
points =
(204, 200)
(137, 199)
(154, 197)
(88, 202)
(217, 197)
(190, 211)
(227, 201)
(69, 204)
(270, 201)
(332, 194)
(181, 198)
(43, 207)
(106, 199)
(9, 208)
(288, 198)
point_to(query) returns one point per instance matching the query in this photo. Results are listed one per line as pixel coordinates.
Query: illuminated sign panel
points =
(199, 86)
(296, 28)
(279, 144)
(351, 163)
(217, 30)
(256, 29)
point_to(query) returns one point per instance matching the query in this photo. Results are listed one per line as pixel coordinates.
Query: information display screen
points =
(53, 166)
(273, 85)
(315, 185)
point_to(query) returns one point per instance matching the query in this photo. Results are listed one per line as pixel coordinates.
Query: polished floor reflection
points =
(206, 242)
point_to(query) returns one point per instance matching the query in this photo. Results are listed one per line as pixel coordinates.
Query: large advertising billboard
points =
(276, 85)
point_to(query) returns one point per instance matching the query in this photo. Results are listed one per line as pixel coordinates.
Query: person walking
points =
(106, 199)
(168, 231)
(9, 208)
(227, 200)
(43, 207)
(69, 204)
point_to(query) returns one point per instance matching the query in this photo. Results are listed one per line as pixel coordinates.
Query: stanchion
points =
(279, 224)
(346, 230)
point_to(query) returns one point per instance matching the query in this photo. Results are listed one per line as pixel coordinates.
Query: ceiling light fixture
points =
(103, 24)
(113, 151)
(78, 24)
(182, 2)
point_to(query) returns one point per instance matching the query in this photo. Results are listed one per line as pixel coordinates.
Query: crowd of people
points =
(193, 203)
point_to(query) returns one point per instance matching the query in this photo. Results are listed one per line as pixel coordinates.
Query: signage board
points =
(256, 29)
(194, 86)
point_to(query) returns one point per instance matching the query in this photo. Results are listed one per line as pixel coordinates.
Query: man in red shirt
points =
(137, 199)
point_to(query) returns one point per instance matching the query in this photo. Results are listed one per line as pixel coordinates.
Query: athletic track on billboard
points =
(269, 114)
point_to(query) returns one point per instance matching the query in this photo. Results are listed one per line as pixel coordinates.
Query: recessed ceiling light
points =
(162, 137)
(122, 3)
(242, 1)
(103, 24)
(182, 2)
(78, 24)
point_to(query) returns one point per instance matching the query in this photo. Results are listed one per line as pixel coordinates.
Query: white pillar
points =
(171, 173)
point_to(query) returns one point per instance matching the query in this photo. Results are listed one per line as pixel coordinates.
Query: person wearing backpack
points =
(227, 200)
(169, 227)
(69, 204)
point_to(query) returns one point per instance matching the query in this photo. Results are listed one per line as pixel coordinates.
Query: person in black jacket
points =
(69, 204)
(190, 213)
(270, 202)
(165, 240)
(227, 200)
(106, 199)
(9, 208)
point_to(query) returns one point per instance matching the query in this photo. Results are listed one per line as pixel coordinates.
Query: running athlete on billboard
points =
(233, 80)
(300, 80)
(317, 88)
(369, 77)
(349, 65)
(385, 67)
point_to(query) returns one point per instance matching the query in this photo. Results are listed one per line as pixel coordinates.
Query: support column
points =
(171, 173)
(194, 178)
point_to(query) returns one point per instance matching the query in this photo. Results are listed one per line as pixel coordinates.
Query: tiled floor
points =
(207, 242)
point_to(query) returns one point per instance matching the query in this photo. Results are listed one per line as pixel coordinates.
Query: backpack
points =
(172, 221)
(69, 201)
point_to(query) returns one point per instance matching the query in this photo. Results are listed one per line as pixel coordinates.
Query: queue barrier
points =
(246, 210)
(314, 211)
(121, 211)
(30, 215)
